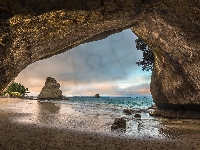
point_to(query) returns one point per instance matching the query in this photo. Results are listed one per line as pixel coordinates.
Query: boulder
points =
(119, 123)
(50, 90)
(128, 111)
(131, 111)
(137, 116)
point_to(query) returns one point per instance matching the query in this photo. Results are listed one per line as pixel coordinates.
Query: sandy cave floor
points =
(28, 124)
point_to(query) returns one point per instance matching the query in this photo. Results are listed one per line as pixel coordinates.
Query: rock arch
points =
(33, 30)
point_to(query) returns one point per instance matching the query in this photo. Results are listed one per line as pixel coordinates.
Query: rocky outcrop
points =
(119, 123)
(174, 39)
(50, 90)
(174, 113)
(128, 111)
(137, 116)
(33, 30)
(97, 96)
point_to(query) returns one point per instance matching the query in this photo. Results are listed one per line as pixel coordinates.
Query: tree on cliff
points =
(16, 90)
(148, 56)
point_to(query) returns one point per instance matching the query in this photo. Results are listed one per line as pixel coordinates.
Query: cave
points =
(32, 31)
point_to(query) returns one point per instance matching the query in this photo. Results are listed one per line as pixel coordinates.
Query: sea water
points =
(88, 104)
(98, 114)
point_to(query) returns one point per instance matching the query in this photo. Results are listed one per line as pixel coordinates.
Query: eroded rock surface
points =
(173, 35)
(50, 90)
(33, 30)
(119, 123)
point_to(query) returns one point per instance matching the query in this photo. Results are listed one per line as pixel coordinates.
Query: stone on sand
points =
(119, 123)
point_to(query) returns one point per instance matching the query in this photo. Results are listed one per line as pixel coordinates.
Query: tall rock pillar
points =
(50, 90)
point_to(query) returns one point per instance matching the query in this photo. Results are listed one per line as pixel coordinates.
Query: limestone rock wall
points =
(50, 90)
(175, 40)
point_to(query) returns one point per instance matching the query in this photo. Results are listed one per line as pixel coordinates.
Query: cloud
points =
(107, 67)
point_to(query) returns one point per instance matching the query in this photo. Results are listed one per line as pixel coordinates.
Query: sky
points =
(107, 67)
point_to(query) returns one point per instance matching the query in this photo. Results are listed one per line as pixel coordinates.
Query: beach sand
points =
(28, 124)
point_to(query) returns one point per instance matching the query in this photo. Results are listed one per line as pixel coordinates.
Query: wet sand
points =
(28, 124)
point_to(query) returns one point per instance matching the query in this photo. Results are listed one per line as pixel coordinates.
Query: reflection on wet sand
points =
(48, 106)
(144, 127)
(60, 115)
(162, 128)
(54, 114)
(47, 112)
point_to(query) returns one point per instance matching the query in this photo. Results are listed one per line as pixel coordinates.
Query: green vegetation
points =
(148, 56)
(16, 90)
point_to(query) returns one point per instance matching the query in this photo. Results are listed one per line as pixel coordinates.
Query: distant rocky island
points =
(97, 96)
(50, 90)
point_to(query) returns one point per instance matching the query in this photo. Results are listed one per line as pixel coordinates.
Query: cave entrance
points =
(107, 67)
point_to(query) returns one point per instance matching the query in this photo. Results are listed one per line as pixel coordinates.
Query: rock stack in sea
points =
(51, 90)
(97, 96)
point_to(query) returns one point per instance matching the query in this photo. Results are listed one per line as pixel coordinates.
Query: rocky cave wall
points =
(33, 30)
(174, 36)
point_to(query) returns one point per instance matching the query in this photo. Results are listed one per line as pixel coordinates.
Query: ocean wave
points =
(107, 105)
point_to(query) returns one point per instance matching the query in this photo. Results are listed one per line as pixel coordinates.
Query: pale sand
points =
(18, 131)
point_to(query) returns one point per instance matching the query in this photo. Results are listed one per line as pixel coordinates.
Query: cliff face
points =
(51, 90)
(32, 30)
(173, 34)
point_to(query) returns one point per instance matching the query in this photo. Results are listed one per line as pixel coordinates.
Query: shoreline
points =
(19, 135)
